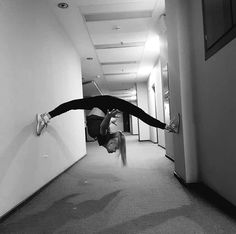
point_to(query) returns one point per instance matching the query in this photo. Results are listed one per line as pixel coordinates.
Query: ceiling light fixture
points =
(63, 5)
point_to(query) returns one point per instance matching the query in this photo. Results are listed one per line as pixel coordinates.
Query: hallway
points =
(98, 195)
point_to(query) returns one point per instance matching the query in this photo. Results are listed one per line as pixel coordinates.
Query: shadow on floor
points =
(209, 197)
(187, 216)
(58, 214)
(140, 224)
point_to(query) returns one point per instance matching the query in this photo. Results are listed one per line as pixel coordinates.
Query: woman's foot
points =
(42, 121)
(174, 124)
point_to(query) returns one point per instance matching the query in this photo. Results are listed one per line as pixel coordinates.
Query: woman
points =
(103, 109)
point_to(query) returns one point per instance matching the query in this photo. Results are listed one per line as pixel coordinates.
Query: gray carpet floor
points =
(98, 195)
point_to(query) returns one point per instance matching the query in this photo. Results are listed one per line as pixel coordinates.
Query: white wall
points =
(207, 99)
(175, 142)
(163, 62)
(215, 110)
(142, 101)
(152, 112)
(39, 70)
(134, 125)
(155, 79)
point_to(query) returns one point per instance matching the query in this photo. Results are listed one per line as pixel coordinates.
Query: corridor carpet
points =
(98, 195)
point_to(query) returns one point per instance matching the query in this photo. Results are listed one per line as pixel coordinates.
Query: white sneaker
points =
(42, 121)
(174, 124)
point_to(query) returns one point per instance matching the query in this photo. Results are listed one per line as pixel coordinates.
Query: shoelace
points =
(44, 121)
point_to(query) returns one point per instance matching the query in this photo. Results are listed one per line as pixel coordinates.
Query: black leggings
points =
(106, 103)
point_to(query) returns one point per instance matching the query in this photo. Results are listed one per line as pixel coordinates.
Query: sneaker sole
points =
(37, 124)
(178, 122)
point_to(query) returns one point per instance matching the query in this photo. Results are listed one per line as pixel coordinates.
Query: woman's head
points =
(112, 145)
(117, 141)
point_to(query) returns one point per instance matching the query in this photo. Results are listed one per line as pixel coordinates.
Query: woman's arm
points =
(106, 121)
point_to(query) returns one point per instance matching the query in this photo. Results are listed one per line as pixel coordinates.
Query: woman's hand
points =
(104, 127)
(113, 121)
(114, 113)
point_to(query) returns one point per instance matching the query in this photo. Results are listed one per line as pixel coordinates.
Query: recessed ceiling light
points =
(63, 5)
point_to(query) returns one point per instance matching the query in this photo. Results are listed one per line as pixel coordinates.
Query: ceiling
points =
(116, 40)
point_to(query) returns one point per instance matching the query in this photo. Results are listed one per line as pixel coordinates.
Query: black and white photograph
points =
(117, 117)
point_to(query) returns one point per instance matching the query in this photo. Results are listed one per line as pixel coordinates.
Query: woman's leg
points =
(79, 104)
(104, 103)
(89, 103)
(110, 102)
(43, 119)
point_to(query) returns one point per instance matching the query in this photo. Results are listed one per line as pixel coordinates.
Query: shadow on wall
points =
(11, 151)
(9, 154)
(60, 143)
(58, 214)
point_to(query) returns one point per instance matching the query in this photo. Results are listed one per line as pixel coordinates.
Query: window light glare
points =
(153, 44)
(145, 70)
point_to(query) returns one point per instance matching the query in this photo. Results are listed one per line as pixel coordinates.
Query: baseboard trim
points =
(179, 178)
(204, 192)
(162, 146)
(22, 203)
(183, 182)
(169, 158)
